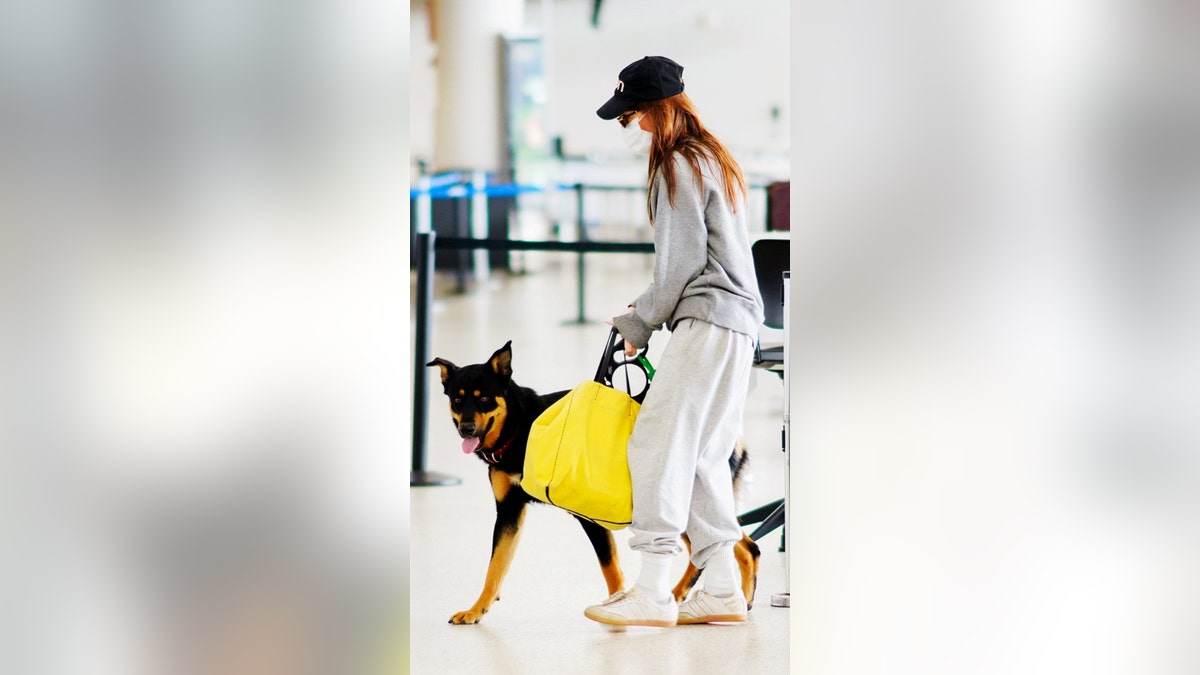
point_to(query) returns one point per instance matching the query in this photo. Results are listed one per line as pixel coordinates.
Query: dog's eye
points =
(483, 399)
(457, 400)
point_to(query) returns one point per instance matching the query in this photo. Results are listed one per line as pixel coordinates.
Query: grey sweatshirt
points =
(702, 264)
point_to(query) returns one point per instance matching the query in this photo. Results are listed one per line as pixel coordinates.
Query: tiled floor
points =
(538, 626)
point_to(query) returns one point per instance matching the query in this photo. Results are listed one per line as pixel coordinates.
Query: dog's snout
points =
(466, 428)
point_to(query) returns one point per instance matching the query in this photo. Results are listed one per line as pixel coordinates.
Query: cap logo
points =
(620, 85)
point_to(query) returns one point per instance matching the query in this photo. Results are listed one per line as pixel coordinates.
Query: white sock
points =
(655, 577)
(721, 573)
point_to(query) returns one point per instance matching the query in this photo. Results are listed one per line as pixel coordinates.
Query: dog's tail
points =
(737, 468)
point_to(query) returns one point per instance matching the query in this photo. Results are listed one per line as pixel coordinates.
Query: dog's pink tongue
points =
(470, 443)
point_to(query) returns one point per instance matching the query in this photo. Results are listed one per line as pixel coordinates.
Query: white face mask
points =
(637, 138)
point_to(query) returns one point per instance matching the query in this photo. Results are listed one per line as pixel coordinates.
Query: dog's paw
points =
(471, 616)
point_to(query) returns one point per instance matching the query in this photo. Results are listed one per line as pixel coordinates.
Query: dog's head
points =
(477, 397)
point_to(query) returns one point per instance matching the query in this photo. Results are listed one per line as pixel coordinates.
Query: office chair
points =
(771, 261)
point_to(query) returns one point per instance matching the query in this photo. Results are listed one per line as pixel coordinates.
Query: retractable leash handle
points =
(614, 357)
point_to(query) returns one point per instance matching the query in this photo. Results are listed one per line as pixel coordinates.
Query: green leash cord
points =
(641, 358)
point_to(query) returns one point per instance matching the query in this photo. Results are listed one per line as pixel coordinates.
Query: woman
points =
(704, 291)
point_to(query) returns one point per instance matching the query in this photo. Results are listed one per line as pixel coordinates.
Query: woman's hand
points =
(630, 350)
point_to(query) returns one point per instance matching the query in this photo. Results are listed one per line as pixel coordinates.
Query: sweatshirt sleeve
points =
(680, 255)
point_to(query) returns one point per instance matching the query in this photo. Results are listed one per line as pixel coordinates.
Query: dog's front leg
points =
(510, 514)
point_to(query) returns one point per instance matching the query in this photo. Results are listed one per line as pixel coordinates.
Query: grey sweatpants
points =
(679, 449)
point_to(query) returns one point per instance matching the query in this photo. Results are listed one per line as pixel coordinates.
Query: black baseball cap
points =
(648, 79)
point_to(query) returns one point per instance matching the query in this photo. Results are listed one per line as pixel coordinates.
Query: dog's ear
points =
(501, 361)
(448, 368)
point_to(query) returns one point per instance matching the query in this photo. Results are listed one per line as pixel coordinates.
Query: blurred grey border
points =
(203, 320)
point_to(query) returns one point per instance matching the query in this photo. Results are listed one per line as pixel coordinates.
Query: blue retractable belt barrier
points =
(458, 189)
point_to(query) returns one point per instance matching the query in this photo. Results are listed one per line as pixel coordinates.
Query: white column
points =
(469, 112)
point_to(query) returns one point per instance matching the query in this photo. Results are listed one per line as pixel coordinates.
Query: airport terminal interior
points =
(556, 172)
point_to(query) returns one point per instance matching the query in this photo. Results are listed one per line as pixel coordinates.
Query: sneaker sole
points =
(613, 621)
(714, 618)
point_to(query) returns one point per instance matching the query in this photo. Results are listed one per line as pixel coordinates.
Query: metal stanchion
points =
(462, 229)
(479, 224)
(580, 268)
(784, 599)
(420, 476)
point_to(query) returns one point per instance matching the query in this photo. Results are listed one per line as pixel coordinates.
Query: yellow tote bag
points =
(576, 454)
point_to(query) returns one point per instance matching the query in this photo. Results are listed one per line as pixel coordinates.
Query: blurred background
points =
(995, 247)
(204, 323)
(556, 54)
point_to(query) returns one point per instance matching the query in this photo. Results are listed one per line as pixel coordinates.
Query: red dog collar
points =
(493, 457)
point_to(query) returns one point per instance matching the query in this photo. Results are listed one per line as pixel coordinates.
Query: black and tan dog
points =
(493, 416)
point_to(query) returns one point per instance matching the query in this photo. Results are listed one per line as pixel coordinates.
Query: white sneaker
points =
(704, 607)
(633, 608)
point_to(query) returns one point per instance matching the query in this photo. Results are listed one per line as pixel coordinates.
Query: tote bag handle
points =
(614, 358)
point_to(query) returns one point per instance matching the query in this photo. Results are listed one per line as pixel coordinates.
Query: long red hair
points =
(677, 128)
